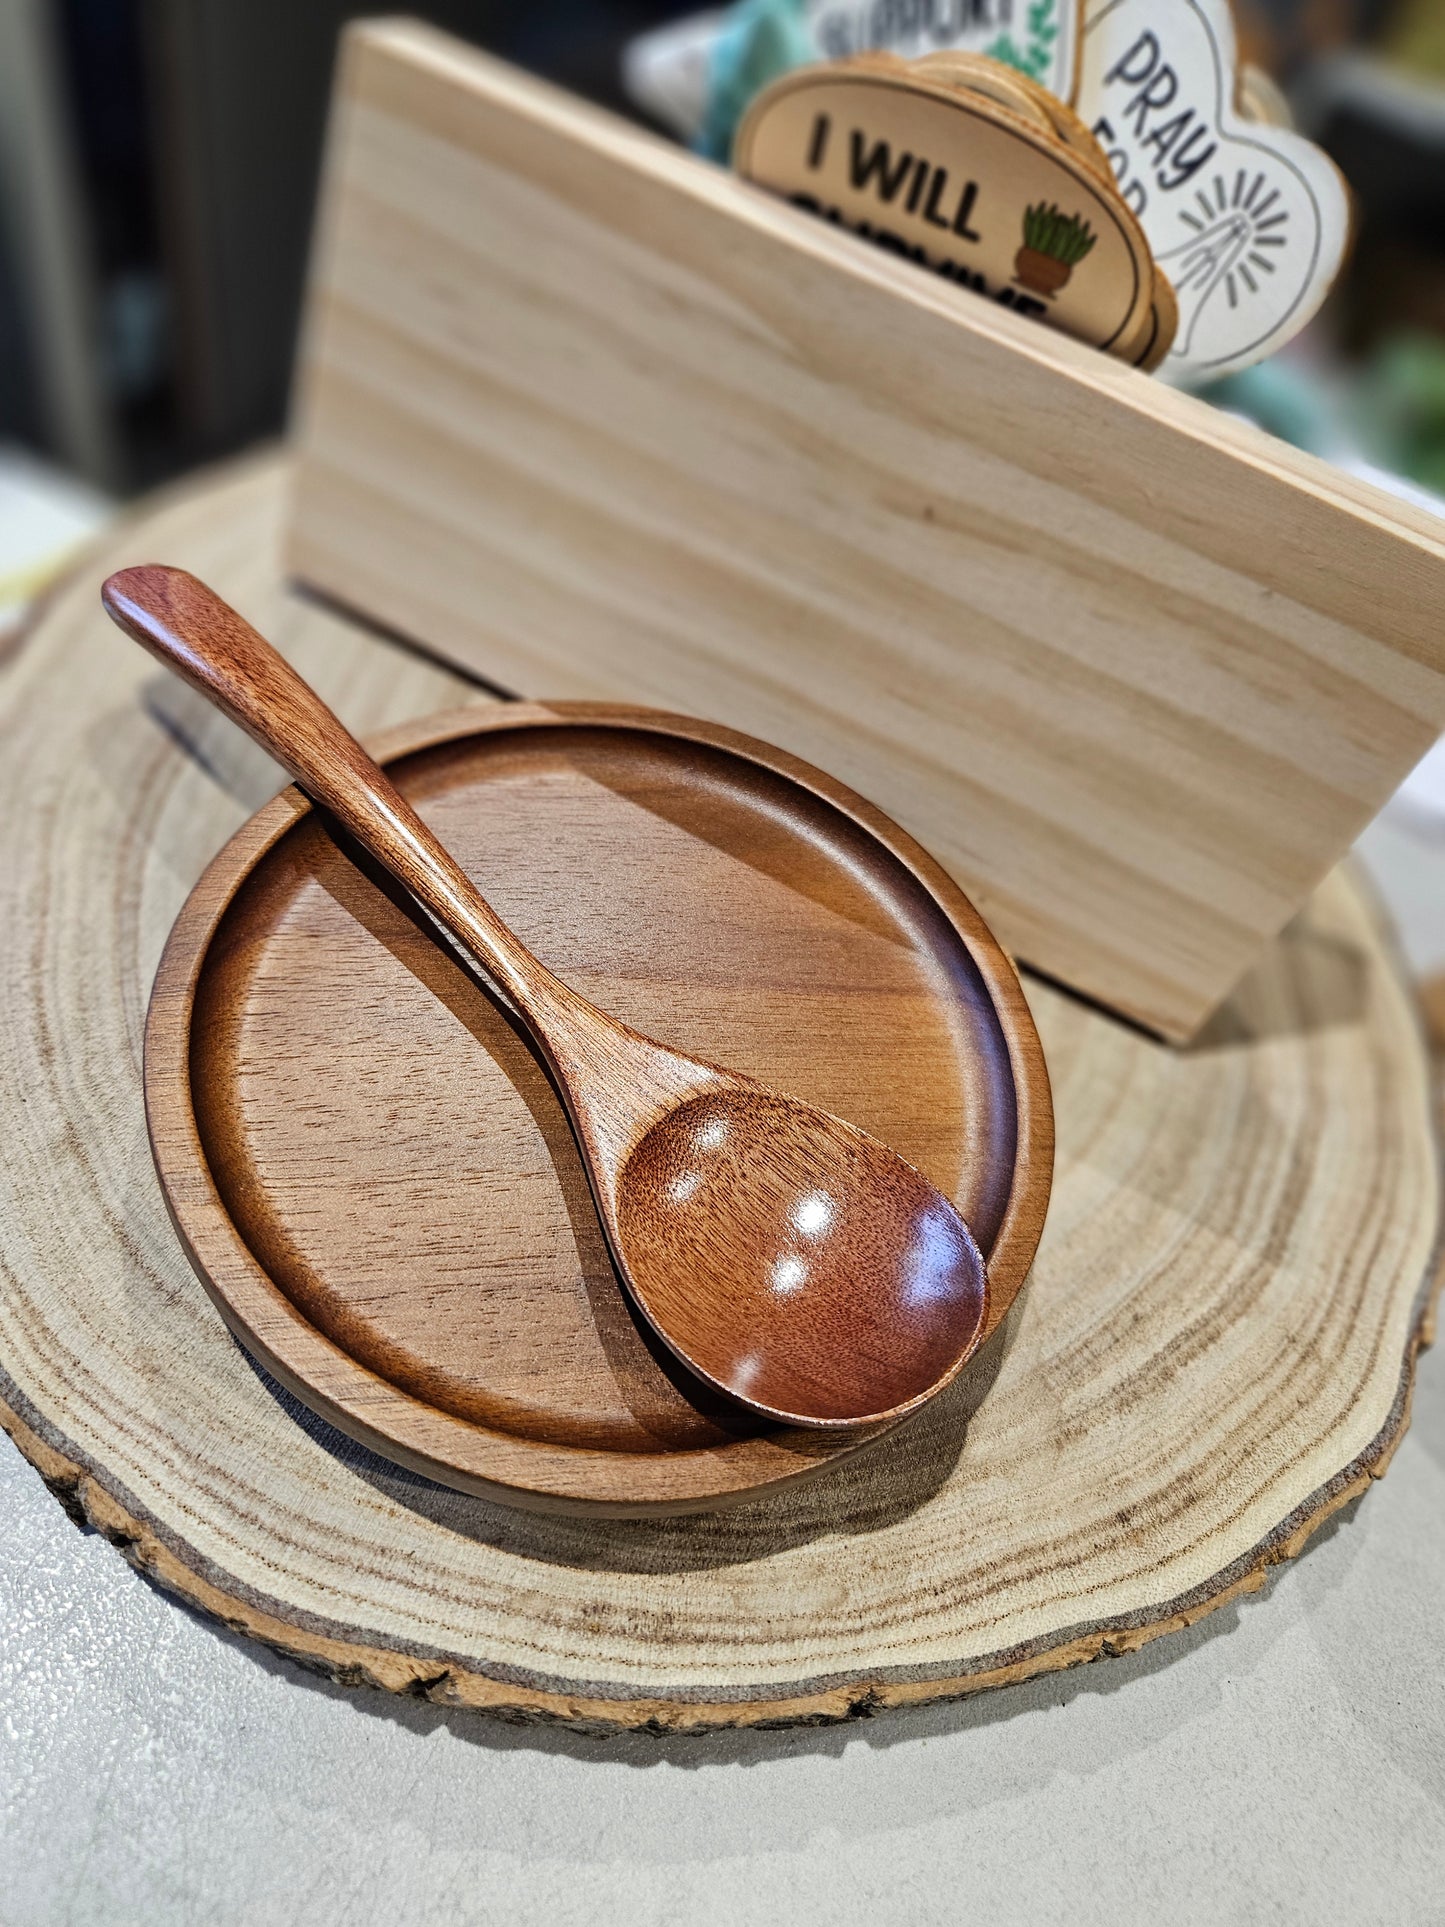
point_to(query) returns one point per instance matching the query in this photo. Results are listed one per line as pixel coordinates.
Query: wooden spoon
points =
(786, 1257)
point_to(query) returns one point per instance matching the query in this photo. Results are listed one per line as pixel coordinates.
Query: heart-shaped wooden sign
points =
(1250, 221)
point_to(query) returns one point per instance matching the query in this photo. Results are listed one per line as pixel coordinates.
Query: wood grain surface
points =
(1214, 1350)
(601, 421)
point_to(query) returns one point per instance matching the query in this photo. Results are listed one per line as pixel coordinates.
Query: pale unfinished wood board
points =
(1214, 1351)
(599, 420)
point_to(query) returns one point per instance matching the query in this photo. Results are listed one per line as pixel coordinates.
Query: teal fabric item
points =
(1283, 400)
(762, 39)
(1400, 407)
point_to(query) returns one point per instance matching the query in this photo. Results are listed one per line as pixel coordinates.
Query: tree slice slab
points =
(1214, 1351)
(379, 1187)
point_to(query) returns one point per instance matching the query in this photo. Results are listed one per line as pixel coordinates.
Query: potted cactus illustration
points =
(1054, 245)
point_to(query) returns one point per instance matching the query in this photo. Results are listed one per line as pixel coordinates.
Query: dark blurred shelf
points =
(156, 192)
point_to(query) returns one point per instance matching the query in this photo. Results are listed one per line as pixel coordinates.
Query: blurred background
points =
(158, 170)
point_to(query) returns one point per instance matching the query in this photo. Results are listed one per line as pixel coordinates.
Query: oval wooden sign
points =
(948, 177)
(376, 1182)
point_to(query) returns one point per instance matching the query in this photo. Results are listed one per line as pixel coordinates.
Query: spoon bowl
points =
(855, 1290)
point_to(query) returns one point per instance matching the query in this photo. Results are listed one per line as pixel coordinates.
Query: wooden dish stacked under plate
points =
(374, 1178)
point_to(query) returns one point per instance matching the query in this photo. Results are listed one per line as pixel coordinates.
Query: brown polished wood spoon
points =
(786, 1257)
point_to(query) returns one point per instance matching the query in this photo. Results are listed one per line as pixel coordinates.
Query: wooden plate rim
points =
(567, 1478)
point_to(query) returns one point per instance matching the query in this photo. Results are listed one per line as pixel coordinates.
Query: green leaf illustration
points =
(1063, 237)
(1036, 57)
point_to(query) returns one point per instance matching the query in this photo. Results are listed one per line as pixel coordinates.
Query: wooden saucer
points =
(373, 1177)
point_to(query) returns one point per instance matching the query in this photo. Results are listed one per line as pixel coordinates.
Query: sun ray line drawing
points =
(1229, 250)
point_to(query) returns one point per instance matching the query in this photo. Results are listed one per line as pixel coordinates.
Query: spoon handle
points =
(186, 626)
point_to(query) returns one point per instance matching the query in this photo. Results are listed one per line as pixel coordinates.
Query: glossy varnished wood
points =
(375, 1177)
(1215, 1349)
(598, 420)
(784, 1256)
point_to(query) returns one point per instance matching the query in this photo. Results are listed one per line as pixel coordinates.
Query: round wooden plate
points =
(374, 1178)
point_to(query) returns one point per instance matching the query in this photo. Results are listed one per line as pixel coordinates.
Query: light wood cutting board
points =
(596, 419)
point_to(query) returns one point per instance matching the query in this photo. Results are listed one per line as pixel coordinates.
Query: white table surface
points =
(1283, 1761)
